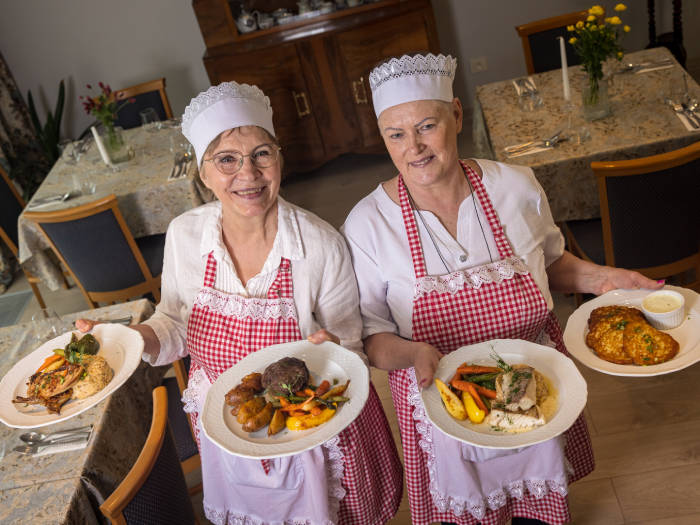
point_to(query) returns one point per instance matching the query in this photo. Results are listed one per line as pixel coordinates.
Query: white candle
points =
(564, 70)
(101, 146)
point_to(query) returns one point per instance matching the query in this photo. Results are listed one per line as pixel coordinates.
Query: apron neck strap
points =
(409, 221)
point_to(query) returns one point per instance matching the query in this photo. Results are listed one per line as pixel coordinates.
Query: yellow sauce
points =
(549, 404)
(661, 303)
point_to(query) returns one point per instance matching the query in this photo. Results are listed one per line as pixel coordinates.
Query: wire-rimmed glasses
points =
(229, 162)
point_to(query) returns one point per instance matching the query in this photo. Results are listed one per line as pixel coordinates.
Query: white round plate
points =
(559, 369)
(687, 334)
(120, 346)
(325, 361)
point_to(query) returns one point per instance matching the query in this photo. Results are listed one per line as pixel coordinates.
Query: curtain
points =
(20, 153)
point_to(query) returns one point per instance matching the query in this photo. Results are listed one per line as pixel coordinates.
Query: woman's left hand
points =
(610, 278)
(323, 335)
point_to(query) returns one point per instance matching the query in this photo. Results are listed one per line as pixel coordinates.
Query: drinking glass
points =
(46, 324)
(69, 151)
(149, 119)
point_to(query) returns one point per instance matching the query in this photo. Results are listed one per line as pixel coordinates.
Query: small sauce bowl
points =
(664, 309)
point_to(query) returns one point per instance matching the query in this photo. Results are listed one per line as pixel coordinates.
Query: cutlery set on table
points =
(181, 167)
(536, 145)
(37, 443)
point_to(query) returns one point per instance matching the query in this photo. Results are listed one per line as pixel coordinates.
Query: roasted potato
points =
(249, 409)
(277, 423)
(253, 381)
(452, 402)
(259, 419)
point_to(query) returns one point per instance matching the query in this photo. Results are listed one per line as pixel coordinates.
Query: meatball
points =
(289, 373)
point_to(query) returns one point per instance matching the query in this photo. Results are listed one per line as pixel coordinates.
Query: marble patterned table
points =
(67, 487)
(640, 125)
(147, 199)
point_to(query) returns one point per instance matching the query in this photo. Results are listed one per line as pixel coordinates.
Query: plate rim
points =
(509, 440)
(130, 363)
(214, 403)
(577, 346)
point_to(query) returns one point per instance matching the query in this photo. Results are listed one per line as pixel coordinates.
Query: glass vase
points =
(596, 104)
(115, 144)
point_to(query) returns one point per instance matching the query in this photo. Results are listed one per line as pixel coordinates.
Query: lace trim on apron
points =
(234, 305)
(220, 518)
(495, 272)
(193, 401)
(477, 508)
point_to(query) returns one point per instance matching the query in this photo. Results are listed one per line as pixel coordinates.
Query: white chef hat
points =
(223, 107)
(410, 78)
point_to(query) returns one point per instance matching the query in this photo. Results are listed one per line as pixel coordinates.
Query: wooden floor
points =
(646, 440)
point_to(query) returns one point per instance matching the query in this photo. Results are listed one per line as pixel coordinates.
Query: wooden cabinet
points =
(315, 71)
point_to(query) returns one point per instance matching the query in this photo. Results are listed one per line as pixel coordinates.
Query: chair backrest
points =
(147, 95)
(649, 212)
(540, 45)
(154, 491)
(11, 205)
(95, 244)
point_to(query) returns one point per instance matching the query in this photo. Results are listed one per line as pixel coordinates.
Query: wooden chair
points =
(180, 422)
(11, 205)
(154, 490)
(540, 45)
(95, 244)
(649, 217)
(149, 94)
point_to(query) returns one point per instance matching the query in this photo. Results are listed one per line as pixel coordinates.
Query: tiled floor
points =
(645, 431)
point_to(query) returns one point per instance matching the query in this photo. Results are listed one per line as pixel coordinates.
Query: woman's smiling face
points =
(251, 191)
(421, 138)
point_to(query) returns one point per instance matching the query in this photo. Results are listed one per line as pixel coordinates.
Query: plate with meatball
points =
(284, 399)
(613, 335)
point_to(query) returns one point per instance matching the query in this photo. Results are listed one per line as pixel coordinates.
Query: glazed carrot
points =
(486, 392)
(460, 384)
(472, 392)
(456, 377)
(49, 360)
(296, 406)
(324, 387)
(473, 369)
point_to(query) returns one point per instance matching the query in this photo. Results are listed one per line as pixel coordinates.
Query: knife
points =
(175, 173)
(690, 115)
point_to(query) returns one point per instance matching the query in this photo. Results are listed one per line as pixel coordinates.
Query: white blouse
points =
(382, 260)
(325, 290)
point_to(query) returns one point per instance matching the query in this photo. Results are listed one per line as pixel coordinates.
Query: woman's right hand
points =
(85, 325)
(425, 362)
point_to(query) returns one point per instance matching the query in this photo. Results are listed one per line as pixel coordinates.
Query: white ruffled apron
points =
(449, 480)
(300, 489)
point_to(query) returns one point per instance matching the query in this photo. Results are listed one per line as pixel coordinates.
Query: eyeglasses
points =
(229, 162)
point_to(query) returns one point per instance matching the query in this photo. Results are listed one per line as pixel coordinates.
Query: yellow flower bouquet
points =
(595, 40)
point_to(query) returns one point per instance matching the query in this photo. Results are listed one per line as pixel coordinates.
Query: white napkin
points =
(67, 447)
(647, 69)
(685, 122)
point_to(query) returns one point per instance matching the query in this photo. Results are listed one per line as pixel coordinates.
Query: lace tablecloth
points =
(68, 487)
(147, 199)
(640, 125)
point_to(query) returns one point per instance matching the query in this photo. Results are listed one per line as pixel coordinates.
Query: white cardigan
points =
(378, 243)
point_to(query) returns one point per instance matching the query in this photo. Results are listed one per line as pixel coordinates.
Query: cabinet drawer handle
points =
(301, 97)
(359, 92)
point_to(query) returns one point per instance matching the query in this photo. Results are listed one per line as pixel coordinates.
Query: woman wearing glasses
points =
(251, 270)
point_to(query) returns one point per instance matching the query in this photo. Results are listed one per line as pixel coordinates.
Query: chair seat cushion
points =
(152, 248)
(179, 423)
(589, 236)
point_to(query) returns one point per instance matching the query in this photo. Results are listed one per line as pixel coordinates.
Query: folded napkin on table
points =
(529, 151)
(652, 68)
(684, 121)
(62, 447)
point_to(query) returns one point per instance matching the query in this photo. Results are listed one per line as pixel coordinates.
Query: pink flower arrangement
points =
(104, 106)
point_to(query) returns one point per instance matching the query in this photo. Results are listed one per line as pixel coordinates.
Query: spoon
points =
(37, 437)
(54, 198)
(36, 447)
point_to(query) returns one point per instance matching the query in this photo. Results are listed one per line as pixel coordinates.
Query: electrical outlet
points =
(478, 64)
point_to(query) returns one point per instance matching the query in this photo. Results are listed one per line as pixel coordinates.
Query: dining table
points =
(641, 123)
(67, 487)
(146, 195)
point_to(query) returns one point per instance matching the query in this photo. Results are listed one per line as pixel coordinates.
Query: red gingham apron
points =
(372, 472)
(511, 309)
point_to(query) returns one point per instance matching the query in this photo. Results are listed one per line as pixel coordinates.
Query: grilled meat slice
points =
(49, 384)
(289, 374)
(53, 403)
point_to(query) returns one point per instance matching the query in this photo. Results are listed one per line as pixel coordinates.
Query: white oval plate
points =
(687, 334)
(559, 369)
(325, 361)
(120, 346)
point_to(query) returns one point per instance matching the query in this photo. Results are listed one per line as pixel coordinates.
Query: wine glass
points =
(149, 119)
(46, 324)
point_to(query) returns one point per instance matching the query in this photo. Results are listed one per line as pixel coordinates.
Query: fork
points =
(679, 110)
(177, 167)
(547, 143)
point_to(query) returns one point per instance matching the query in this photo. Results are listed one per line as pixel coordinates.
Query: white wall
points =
(86, 41)
(132, 41)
